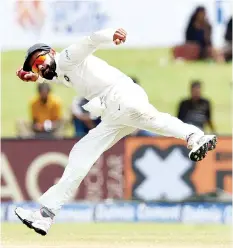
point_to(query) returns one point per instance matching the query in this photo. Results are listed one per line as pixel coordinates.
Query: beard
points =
(50, 72)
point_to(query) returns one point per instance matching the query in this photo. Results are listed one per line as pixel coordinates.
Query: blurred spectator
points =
(46, 116)
(228, 40)
(198, 43)
(196, 110)
(199, 31)
(82, 119)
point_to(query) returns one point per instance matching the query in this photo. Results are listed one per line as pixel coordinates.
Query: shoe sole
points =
(39, 231)
(201, 152)
(212, 143)
(29, 225)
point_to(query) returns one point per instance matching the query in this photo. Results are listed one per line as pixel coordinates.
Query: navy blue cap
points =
(30, 52)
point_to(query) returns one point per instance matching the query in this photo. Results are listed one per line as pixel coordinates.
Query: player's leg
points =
(128, 104)
(148, 118)
(83, 155)
(151, 119)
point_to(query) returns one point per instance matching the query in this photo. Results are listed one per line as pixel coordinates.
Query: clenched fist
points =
(26, 75)
(119, 36)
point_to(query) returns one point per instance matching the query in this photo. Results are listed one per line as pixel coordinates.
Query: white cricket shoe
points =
(200, 144)
(34, 220)
(42, 225)
(26, 216)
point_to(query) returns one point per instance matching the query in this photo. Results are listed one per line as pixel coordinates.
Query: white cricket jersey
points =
(89, 75)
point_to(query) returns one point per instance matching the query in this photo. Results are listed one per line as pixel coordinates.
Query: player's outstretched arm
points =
(77, 52)
(108, 35)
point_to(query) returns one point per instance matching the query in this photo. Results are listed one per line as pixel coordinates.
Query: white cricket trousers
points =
(127, 109)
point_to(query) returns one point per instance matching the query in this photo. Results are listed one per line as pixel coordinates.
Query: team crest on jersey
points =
(67, 78)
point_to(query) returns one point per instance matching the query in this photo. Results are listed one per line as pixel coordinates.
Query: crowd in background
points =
(47, 119)
(198, 40)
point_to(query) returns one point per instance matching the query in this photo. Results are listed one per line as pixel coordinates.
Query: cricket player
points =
(122, 105)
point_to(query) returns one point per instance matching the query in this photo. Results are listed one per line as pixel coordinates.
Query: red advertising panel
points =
(30, 167)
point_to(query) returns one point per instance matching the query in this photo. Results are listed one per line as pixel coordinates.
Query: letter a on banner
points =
(11, 188)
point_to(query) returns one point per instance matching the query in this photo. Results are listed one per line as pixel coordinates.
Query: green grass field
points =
(119, 235)
(165, 84)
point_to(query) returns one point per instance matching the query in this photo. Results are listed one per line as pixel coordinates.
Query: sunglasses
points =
(40, 60)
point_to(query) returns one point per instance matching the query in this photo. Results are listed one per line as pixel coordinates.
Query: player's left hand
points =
(119, 36)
